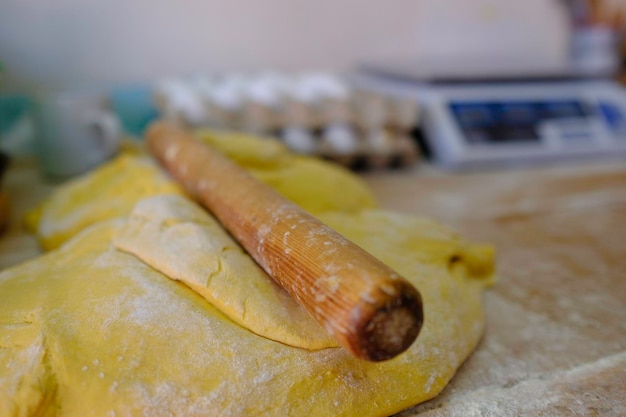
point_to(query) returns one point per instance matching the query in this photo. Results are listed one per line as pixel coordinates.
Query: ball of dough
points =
(146, 306)
(90, 330)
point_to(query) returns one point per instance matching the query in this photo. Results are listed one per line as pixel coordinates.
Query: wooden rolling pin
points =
(372, 311)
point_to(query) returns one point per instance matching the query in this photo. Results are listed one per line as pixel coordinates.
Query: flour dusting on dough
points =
(183, 356)
(57, 220)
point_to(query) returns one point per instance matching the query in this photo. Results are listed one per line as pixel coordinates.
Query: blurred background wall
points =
(61, 41)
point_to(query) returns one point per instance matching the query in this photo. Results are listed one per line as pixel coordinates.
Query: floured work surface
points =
(555, 343)
(145, 306)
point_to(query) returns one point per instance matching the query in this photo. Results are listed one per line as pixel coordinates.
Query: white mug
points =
(76, 131)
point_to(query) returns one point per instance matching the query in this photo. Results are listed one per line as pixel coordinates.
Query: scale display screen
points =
(495, 122)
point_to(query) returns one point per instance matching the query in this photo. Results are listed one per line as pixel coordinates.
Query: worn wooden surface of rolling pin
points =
(555, 343)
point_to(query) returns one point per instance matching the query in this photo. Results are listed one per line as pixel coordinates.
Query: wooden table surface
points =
(555, 343)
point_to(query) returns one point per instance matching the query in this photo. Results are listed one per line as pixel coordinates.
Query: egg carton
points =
(314, 113)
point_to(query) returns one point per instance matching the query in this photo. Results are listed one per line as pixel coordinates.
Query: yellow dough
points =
(88, 330)
(153, 310)
(112, 190)
(108, 192)
(328, 187)
(177, 238)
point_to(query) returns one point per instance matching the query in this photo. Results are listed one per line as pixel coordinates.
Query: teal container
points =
(134, 107)
(12, 108)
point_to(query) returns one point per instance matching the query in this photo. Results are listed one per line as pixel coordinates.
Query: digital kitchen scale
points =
(482, 124)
